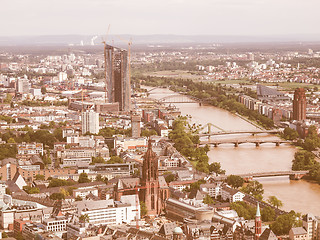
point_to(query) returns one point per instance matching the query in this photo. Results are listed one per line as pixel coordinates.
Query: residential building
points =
(90, 122)
(298, 233)
(30, 148)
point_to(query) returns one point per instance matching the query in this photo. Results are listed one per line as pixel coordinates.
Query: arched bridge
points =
(179, 98)
(237, 132)
(249, 176)
(237, 142)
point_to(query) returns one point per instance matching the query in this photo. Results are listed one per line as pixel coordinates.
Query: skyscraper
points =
(90, 122)
(299, 105)
(117, 77)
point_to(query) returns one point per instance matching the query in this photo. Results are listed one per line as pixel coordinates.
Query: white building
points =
(231, 194)
(90, 122)
(212, 189)
(22, 86)
(30, 148)
(104, 212)
(57, 224)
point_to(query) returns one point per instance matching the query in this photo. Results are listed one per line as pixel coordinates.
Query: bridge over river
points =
(274, 131)
(249, 176)
(237, 142)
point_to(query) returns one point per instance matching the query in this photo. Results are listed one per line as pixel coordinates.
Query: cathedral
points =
(152, 188)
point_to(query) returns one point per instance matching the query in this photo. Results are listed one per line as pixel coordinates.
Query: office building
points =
(117, 77)
(299, 105)
(90, 122)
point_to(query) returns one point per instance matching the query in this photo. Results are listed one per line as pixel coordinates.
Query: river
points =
(299, 196)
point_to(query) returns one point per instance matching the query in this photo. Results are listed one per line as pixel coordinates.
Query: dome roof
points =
(177, 230)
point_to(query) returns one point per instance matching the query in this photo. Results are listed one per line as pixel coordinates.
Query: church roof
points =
(167, 228)
(162, 182)
(128, 183)
(268, 235)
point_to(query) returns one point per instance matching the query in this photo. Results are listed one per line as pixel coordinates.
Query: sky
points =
(144, 17)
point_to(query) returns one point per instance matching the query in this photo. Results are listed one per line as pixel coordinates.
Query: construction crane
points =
(105, 65)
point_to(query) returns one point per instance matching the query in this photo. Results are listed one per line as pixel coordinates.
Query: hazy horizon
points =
(166, 17)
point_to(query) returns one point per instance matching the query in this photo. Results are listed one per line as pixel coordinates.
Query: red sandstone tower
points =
(257, 224)
(299, 105)
(150, 182)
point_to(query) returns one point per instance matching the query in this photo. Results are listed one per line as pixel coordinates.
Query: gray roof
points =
(167, 228)
(298, 231)
(266, 91)
(268, 235)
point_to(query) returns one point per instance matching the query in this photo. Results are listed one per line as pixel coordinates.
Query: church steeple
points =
(150, 165)
(150, 181)
(258, 223)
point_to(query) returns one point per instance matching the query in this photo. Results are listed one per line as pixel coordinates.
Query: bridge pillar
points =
(236, 144)
(215, 145)
(277, 144)
(257, 144)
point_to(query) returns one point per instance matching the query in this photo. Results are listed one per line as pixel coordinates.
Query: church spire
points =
(258, 211)
(258, 223)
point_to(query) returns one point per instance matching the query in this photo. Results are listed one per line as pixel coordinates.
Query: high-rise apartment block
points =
(299, 105)
(22, 86)
(117, 77)
(90, 122)
(135, 125)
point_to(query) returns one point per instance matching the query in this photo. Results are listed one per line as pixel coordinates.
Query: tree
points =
(143, 209)
(55, 182)
(115, 159)
(235, 181)
(290, 134)
(275, 201)
(208, 200)
(216, 168)
(57, 196)
(64, 192)
(268, 214)
(84, 218)
(39, 177)
(11, 140)
(285, 222)
(31, 190)
(254, 188)
(99, 178)
(98, 160)
(83, 178)
(170, 178)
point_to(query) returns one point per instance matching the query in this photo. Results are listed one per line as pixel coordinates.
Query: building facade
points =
(299, 105)
(90, 122)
